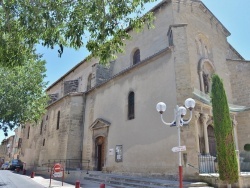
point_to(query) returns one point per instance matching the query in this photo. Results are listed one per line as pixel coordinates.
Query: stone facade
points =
(87, 117)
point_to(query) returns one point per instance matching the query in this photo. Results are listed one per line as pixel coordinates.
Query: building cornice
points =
(239, 60)
(176, 25)
(72, 94)
(213, 18)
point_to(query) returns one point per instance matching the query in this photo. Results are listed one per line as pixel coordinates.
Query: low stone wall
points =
(213, 180)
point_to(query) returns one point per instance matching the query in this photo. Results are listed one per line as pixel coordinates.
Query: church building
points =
(106, 114)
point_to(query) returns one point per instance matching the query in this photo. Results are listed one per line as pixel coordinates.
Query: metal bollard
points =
(77, 185)
(102, 185)
(32, 174)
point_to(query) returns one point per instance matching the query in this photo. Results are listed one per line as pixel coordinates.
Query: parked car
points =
(15, 163)
(5, 165)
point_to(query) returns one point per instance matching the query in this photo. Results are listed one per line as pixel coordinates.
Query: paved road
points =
(9, 179)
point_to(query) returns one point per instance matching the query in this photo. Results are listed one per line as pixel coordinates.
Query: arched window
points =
(136, 57)
(43, 142)
(89, 82)
(131, 105)
(41, 128)
(28, 135)
(58, 120)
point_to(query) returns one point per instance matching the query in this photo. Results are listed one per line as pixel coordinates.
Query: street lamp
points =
(178, 121)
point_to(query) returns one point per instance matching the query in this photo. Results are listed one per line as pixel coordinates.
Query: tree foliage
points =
(226, 155)
(22, 93)
(101, 23)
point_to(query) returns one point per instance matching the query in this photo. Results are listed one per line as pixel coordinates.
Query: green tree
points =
(226, 155)
(22, 94)
(101, 23)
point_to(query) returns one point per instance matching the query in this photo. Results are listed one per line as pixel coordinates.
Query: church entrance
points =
(99, 153)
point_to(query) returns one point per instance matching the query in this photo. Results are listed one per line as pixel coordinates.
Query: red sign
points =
(57, 171)
(57, 167)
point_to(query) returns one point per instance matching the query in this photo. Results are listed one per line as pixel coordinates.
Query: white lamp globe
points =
(161, 107)
(190, 103)
(182, 110)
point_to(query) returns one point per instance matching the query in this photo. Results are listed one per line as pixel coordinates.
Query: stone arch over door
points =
(211, 140)
(100, 129)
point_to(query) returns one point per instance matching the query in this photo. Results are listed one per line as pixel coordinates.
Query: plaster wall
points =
(149, 41)
(146, 141)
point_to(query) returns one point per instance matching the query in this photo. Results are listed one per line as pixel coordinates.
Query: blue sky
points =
(234, 15)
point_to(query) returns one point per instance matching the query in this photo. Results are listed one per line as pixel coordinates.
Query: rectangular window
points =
(28, 135)
(58, 120)
(131, 105)
(41, 128)
(170, 38)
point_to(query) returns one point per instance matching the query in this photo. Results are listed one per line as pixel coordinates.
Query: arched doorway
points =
(211, 140)
(99, 152)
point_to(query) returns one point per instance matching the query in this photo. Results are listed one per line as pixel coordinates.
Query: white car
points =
(5, 165)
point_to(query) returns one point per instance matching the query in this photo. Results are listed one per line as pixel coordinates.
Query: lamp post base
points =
(180, 176)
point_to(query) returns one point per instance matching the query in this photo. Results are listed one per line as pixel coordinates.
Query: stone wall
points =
(55, 141)
(240, 76)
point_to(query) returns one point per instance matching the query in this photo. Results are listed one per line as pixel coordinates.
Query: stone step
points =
(199, 184)
(119, 184)
(121, 181)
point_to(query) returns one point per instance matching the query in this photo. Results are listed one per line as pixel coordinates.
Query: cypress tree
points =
(226, 155)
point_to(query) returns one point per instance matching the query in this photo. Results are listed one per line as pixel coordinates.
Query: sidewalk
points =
(58, 184)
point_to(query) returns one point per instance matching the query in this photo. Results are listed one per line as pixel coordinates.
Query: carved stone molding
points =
(204, 118)
(99, 123)
(197, 115)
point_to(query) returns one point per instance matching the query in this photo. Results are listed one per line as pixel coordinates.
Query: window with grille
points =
(131, 105)
(136, 57)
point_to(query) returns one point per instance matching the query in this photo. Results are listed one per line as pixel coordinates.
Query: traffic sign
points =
(57, 170)
(57, 167)
(179, 148)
